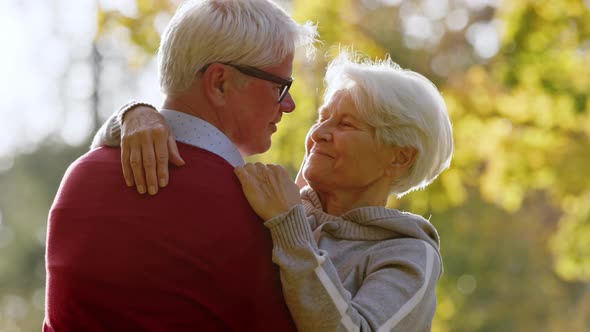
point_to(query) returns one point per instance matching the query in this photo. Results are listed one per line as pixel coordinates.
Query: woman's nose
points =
(321, 132)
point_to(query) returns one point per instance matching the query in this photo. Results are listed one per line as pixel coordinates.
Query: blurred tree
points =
(142, 29)
(530, 103)
(26, 196)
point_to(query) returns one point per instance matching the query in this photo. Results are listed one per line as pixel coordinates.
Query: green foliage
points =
(26, 196)
(141, 30)
(571, 240)
(531, 106)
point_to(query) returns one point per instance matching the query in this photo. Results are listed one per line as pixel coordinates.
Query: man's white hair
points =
(247, 32)
(405, 108)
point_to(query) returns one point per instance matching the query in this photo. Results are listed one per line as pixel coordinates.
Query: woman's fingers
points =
(250, 185)
(149, 166)
(136, 164)
(126, 165)
(174, 155)
(161, 156)
(147, 146)
(268, 189)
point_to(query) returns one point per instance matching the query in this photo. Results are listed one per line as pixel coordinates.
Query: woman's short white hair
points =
(247, 32)
(404, 107)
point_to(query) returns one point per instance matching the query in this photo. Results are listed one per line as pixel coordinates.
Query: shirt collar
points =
(197, 132)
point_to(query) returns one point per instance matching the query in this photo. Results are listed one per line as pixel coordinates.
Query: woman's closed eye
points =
(347, 124)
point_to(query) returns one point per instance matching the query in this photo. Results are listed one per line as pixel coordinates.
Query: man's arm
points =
(147, 144)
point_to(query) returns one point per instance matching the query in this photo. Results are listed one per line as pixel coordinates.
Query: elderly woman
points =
(348, 263)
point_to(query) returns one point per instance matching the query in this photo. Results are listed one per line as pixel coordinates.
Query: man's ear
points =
(214, 80)
(403, 158)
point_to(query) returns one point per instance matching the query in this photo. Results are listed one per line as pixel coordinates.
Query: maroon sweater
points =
(193, 258)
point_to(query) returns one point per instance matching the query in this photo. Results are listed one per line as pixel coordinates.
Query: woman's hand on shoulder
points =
(268, 189)
(147, 144)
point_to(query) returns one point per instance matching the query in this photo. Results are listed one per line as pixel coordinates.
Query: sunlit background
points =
(513, 211)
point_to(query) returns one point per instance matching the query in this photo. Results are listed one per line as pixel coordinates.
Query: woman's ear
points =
(213, 80)
(403, 158)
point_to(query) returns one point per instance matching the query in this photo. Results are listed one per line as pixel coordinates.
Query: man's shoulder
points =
(200, 163)
(202, 156)
(206, 183)
(204, 167)
(97, 158)
(96, 162)
(102, 153)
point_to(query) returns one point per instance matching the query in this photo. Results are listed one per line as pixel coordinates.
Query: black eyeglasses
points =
(263, 75)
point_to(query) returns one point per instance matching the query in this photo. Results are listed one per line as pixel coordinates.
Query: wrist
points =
(279, 213)
(129, 107)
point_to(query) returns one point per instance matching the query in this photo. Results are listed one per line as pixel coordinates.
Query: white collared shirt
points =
(200, 133)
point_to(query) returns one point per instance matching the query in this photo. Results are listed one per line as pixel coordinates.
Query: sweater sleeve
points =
(109, 133)
(397, 292)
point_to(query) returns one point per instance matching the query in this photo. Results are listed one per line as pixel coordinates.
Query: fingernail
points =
(129, 184)
(163, 183)
(152, 190)
(141, 189)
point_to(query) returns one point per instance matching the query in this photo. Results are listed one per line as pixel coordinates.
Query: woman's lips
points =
(321, 153)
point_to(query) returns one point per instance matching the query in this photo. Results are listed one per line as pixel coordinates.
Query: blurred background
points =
(513, 211)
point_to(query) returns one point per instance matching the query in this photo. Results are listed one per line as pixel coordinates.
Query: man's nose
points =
(287, 104)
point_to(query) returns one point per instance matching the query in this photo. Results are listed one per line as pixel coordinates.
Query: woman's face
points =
(342, 152)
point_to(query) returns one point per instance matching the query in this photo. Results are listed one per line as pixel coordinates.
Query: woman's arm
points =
(147, 144)
(398, 284)
(109, 133)
(397, 292)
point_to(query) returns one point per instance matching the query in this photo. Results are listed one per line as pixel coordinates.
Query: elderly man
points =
(196, 258)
